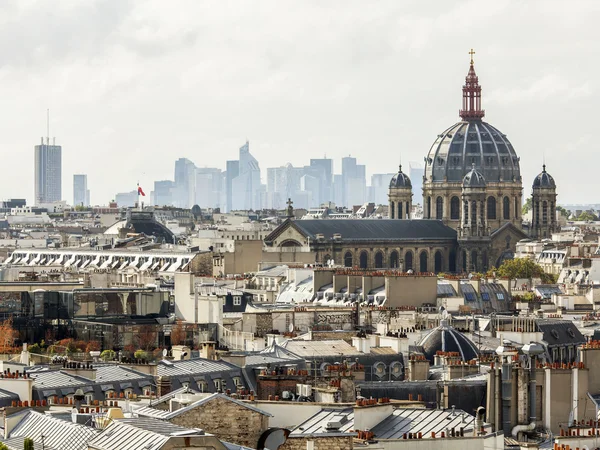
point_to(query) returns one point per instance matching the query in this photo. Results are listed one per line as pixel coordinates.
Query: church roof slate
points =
(372, 229)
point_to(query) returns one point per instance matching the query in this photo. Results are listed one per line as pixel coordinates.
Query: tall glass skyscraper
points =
(48, 173)
(81, 193)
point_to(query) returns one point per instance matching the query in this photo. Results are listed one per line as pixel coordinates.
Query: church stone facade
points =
(472, 192)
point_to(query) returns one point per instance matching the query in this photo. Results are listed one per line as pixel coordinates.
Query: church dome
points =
(475, 142)
(446, 339)
(473, 179)
(544, 180)
(400, 180)
(472, 141)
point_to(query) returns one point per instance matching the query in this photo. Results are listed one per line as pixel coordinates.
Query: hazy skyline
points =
(132, 86)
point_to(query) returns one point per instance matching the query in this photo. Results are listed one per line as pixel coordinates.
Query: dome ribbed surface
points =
(472, 142)
(446, 339)
(400, 180)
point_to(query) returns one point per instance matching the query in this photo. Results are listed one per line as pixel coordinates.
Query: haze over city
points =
(132, 86)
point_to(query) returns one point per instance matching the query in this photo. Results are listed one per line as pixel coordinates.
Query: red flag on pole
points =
(140, 191)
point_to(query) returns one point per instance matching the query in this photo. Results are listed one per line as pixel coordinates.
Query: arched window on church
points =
(408, 261)
(491, 208)
(428, 208)
(455, 208)
(348, 259)
(379, 260)
(517, 209)
(484, 261)
(452, 261)
(392, 216)
(423, 262)
(545, 213)
(464, 260)
(506, 208)
(394, 260)
(439, 208)
(364, 260)
(474, 266)
(438, 262)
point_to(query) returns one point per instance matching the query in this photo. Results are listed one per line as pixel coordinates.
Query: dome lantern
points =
(471, 106)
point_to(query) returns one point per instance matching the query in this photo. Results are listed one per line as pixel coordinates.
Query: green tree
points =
(563, 212)
(527, 206)
(523, 268)
(586, 216)
(28, 444)
(3, 446)
(108, 355)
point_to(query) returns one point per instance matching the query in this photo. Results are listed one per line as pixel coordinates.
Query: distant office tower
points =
(232, 170)
(246, 187)
(338, 190)
(310, 192)
(81, 193)
(380, 186)
(185, 183)
(322, 169)
(283, 183)
(127, 199)
(208, 187)
(416, 172)
(48, 172)
(163, 192)
(354, 183)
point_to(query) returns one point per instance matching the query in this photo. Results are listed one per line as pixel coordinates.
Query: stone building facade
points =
(227, 419)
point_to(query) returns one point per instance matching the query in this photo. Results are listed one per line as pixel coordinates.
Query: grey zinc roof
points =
(58, 434)
(560, 332)
(134, 434)
(317, 424)
(53, 379)
(424, 421)
(109, 373)
(310, 349)
(373, 229)
(193, 367)
(7, 397)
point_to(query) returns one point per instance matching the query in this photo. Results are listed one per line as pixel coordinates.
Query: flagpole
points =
(139, 197)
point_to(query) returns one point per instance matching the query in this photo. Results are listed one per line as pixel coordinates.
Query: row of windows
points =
(394, 261)
(455, 208)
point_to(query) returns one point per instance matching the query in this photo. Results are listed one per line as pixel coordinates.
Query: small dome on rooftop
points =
(544, 180)
(446, 339)
(400, 180)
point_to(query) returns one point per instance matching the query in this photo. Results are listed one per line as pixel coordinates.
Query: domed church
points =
(472, 183)
(472, 190)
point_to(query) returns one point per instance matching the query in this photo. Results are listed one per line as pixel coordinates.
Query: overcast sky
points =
(132, 86)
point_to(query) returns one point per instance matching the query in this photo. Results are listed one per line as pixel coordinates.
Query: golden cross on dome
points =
(472, 52)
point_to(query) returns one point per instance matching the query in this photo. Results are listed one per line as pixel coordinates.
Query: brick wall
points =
(226, 420)
(320, 443)
(275, 385)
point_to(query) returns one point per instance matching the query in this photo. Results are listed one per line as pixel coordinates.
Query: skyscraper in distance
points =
(48, 172)
(81, 193)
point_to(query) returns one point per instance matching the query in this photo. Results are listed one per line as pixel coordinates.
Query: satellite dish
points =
(291, 327)
(165, 352)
